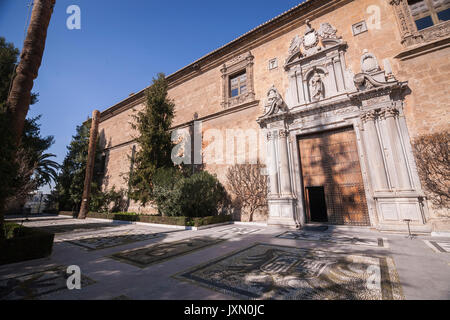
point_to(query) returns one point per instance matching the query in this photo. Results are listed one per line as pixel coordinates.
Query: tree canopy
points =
(71, 179)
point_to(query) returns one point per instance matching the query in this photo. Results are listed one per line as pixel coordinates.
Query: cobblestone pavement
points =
(240, 261)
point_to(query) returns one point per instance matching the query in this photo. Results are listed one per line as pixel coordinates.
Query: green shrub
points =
(198, 195)
(165, 194)
(108, 201)
(23, 243)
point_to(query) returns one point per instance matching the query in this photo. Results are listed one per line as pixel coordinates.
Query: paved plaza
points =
(238, 261)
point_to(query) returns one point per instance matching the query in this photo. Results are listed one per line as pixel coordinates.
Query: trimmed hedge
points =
(177, 221)
(24, 243)
(211, 220)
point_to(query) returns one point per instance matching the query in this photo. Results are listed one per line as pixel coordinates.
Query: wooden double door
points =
(332, 180)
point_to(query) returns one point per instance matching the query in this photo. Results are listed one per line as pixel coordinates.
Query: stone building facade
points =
(336, 92)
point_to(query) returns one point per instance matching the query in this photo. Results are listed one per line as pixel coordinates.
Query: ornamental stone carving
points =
(369, 116)
(327, 31)
(295, 45)
(310, 39)
(270, 136)
(318, 71)
(371, 75)
(241, 63)
(389, 112)
(369, 62)
(283, 133)
(274, 103)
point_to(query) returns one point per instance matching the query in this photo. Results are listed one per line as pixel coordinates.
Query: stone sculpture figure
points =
(274, 102)
(317, 87)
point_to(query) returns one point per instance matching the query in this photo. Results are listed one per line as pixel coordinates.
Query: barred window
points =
(427, 13)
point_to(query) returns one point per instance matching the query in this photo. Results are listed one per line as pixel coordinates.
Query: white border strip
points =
(158, 225)
(427, 242)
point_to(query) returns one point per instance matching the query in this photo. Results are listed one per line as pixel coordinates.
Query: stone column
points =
(285, 178)
(389, 115)
(90, 165)
(374, 152)
(272, 164)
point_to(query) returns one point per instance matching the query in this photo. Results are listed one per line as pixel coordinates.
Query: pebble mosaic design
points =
(156, 253)
(238, 230)
(334, 238)
(109, 239)
(34, 285)
(266, 271)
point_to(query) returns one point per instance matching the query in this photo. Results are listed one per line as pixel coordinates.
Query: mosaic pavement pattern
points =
(439, 246)
(334, 238)
(265, 271)
(34, 285)
(238, 230)
(109, 239)
(156, 253)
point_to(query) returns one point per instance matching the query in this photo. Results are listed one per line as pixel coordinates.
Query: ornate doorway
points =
(330, 164)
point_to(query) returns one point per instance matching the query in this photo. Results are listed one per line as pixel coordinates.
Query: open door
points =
(316, 204)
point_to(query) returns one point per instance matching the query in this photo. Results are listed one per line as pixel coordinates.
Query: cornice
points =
(423, 48)
(123, 105)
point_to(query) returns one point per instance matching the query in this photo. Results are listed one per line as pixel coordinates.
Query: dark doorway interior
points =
(317, 205)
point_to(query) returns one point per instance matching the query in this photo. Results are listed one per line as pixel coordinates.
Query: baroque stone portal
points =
(338, 149)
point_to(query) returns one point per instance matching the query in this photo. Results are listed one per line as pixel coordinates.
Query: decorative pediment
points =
(313, 41)
(316, 67)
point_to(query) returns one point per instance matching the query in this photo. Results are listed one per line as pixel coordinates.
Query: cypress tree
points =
(154, 142)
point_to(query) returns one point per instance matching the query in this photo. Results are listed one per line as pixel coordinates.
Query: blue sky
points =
(120, 47)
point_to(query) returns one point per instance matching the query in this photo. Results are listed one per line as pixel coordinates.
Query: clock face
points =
(310, 40)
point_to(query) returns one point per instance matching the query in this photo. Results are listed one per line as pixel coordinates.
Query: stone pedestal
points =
(281, 212)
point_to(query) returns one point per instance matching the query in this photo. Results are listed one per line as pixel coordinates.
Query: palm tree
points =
(46, 170)
(19, 97)
(30, 60)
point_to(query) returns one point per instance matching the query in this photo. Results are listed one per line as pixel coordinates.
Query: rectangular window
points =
(444, 15)
(238, 84)
(427, 13)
